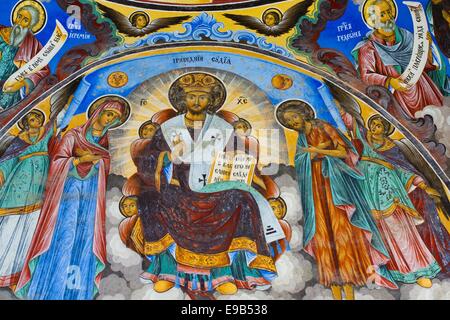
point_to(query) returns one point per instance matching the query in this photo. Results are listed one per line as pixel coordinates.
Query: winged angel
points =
(273, 22)
(139, 23)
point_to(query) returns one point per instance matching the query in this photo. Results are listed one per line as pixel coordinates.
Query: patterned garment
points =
(7, 68)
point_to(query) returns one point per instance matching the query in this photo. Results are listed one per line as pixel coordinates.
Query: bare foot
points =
(336, 292)
(349, 292)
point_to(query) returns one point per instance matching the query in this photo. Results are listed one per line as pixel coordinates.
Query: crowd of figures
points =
(369, 214)
(46, 240)
(367, 208)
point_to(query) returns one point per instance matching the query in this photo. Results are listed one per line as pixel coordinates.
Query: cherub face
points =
(148, 131)
(287, 82)
(129, 207)
(197, 102)
(23, 19)
(241, 129)
(141, 21)
(270, 20)
(377, 127)
(294, 120)
(277, 208)
(34, 121)
(107, 117)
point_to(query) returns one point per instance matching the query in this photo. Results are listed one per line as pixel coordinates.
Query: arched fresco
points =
(224, 149)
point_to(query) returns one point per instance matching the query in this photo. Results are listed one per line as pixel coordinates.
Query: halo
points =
(145, 124)
(21, 123)
(274, 11)
(175, 90)
(302, 106)
(130, 18)
(122, 200)
(38, 6)
(391, 128)
(282, 76)
(94, 105)
(366, 3)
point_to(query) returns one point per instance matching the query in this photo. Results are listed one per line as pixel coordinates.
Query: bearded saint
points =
(384, 55)
(200, 236)
(18, 46)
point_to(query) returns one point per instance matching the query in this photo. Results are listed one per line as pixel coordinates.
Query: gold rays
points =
(243, 98)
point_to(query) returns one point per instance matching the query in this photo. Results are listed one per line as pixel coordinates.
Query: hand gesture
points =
(87, 156)
(16, 86)
(398, 84)
(311, 150)
(90, 158)
(179, 149)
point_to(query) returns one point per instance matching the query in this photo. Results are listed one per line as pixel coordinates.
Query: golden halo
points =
(117, 79)
(121, 203)
(22, 124)
(388, 131)
(131, 17)
(282, 82)
(38, 6)
(301, 106)
(368, 3)
(274, 11)
(94, 105)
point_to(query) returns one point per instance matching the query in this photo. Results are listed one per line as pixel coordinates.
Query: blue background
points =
(53, 12)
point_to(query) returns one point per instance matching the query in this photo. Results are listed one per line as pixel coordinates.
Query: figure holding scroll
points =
(385, 54)
(18, 45)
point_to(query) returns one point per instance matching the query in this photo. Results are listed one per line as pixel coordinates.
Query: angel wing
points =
(424, 168)
(347, 102)
(290, 18)
(124, 25)
(5, 142)
(59, 99)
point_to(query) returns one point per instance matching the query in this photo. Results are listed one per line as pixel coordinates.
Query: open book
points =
(229, 167)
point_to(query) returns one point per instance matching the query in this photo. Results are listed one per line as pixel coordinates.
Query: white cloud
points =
(441, 118)
(439, 291)
(293, 272)
(317, 292)
(147, 293)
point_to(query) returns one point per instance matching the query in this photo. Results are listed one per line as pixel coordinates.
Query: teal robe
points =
(25, 179)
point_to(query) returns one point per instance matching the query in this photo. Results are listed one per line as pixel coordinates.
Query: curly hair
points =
(179, 98)
(134, 19)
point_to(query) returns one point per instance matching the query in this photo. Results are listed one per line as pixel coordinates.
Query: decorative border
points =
(199, 7)
(203, 27)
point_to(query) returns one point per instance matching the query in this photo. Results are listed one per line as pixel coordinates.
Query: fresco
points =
(209, 150)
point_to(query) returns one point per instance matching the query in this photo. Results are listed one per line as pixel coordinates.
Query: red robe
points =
(30, 47)
(61, 162)
(374, 72)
